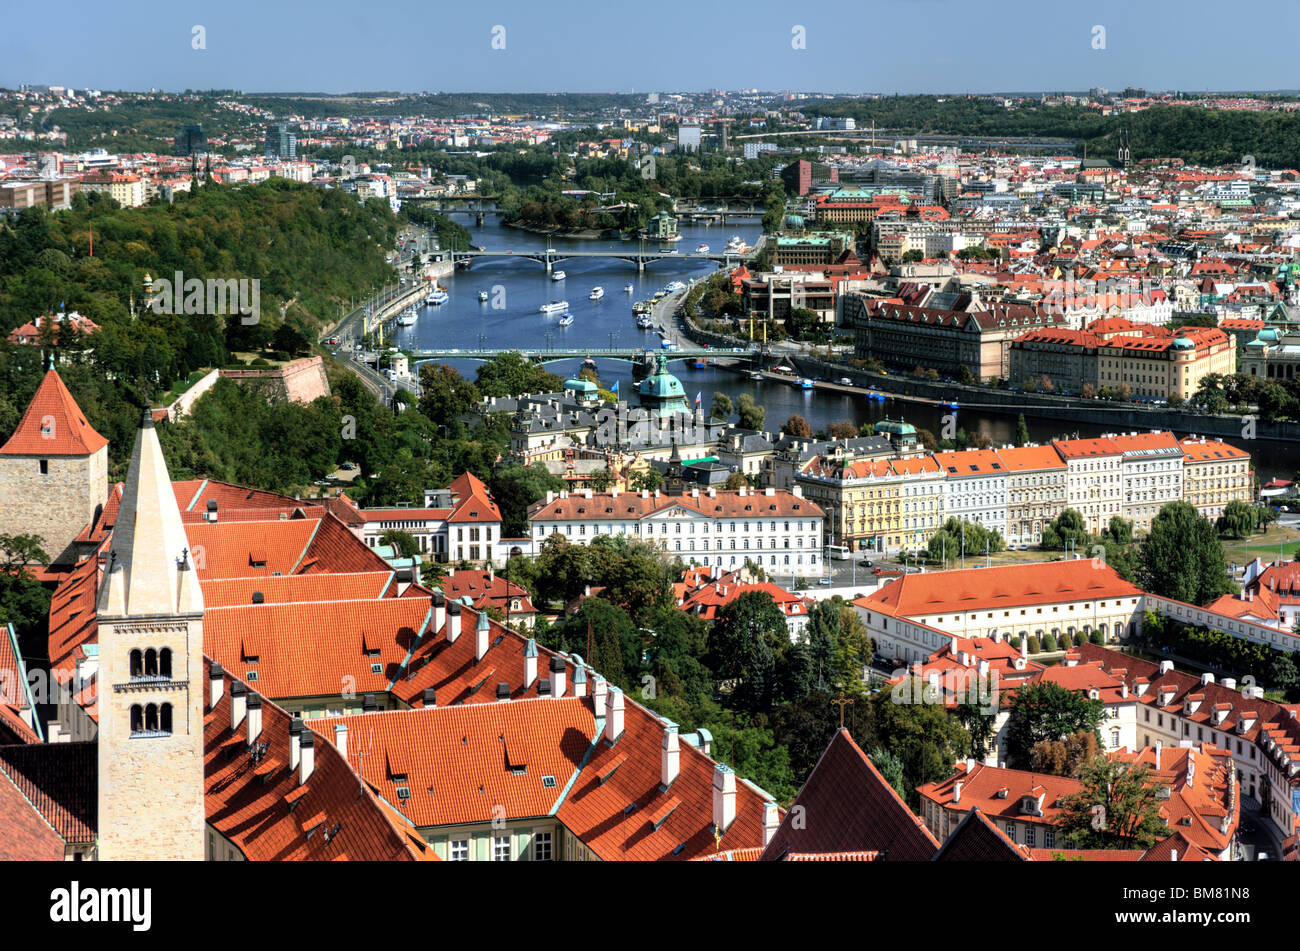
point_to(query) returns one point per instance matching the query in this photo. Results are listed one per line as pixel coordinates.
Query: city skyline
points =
(919, 47)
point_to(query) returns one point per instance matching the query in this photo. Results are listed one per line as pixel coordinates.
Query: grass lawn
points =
(182, 385)
(1242, 550)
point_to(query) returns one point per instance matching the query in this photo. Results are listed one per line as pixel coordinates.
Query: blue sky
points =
(659, 45)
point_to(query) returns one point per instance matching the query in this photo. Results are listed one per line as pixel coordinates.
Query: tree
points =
(404, 543)
(602, 480)
(798, 427)
(926, 738)
(749, 414)
(958, 536)
(891, 770)
(512, 374)
(1022, 431)
(515, 488)
(1064, 757)
(1238, 519)
(843, 430)
(445, 395)
(747, 637)
(648, 480)
(1120, 529)
(965, 376)
(1118, 807)
(1047, 711)
(1182, 557)
(722, 406)
(1067, 530)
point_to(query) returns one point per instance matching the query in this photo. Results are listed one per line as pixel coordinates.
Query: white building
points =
(781, 531)
(975, 488)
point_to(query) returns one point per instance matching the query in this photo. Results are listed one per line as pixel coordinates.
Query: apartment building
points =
(1151, 474)
(126, 188)
(1214, 474)
(1037, 491)
(975, 487)
(778, 530)
(1094, 479)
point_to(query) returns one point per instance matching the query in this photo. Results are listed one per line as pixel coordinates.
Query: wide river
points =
(518, 288)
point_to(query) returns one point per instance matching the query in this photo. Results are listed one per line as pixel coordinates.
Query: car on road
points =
(866, 563)
(845, 381)
(825, 581)
(348, 466)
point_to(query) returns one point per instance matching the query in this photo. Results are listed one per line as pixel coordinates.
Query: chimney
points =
(341, 739)
(771, 821)
(1166, 666)
(724, 797)
(1173, 855)
(308, 756)
(238, 703)
(543, 688)
(439, 611)
(530, 662)
(670, 756)
(579, 681)
(1024, 647)
(295, 742)
(503, 691)
(453, 622)
(599, 693)
(481, 636)
(613, 714)
(216, 684)
(956, 791)
(254, 717)
(1207, 678)
(557, 676)
(1160, 748)
(430, 697)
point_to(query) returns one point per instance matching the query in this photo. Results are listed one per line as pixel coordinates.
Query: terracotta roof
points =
(27, 836)
(458, 764)
(1030, 458)
(53, 425)
(616, 818)
(342, 586)
(1001, 586)
(264, 810)
(473, 500)
(856, 810)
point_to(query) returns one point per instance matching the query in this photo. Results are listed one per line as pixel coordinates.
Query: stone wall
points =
(56, 504)
(300, 381)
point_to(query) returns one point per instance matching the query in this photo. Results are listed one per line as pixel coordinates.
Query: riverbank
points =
(580, 234)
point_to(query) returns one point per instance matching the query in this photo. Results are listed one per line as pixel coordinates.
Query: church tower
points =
(53, 472)
(150, 697)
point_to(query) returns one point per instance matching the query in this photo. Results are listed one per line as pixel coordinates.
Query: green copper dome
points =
(661, 391)
(1182, 343)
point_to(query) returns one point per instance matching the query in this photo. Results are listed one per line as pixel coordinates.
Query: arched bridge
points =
(550, 256)
(555, 354)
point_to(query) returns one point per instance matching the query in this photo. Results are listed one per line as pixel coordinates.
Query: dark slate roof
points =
(976, 839)
(61, 781)
(847, 806)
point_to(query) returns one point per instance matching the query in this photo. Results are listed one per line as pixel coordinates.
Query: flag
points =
(699, 396)
(614, 388)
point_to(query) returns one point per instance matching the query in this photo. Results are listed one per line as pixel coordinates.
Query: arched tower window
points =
(137, 664)
(165, 663)
(137, 718)
(151, 718)
(165, 718)
(151, 663)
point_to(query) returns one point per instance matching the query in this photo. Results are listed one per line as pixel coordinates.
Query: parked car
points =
(866, 563)
(845, 381)
(348, 466)
(825, 581)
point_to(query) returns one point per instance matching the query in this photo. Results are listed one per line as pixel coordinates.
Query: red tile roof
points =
(460, 763)
(53, 425)
(976, 839)
(27, 836)
(855, 810)
(262, 808)
(603, 505)
(60, 781)
(473, 501)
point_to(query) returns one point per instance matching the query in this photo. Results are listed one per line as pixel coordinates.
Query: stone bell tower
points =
(149, 683)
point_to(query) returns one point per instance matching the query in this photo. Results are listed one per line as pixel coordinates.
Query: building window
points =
(1011, 831)
(542, 846)
(45, 467)
(460, 850)
(501, 848)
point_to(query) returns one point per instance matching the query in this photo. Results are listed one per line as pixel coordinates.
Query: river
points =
(518, 288)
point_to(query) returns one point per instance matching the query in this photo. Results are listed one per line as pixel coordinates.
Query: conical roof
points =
(53, 425)
(150, 571)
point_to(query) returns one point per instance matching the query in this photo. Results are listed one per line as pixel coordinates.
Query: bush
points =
(1049, 643)
(1014, 642)
(1034, 646)
(1066, 641)
(1095, 637)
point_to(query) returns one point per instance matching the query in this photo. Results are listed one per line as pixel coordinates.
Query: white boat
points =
(645, 322)
(672, 286)
(482, 295)
(596, 293)
(555, 307)
(805, 384)
(756, 376)
(701, 249)
(437, 297)
(629, 288)
(566, 320)
(406, 319)
(557, 276)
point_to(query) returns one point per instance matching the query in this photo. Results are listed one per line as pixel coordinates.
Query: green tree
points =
(1047, 711)
(891, 770)
(404, 543)
(445, 395)
(749, 414)
(1067, 530)
(1121, 529)
(515, 488)
(1118, 807)
(1182, 557)
(722, 406)
(925, 737)
(748, 636)
(1238, 519)
(647, 480)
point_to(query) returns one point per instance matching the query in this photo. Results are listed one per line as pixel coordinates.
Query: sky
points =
(903, 46)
